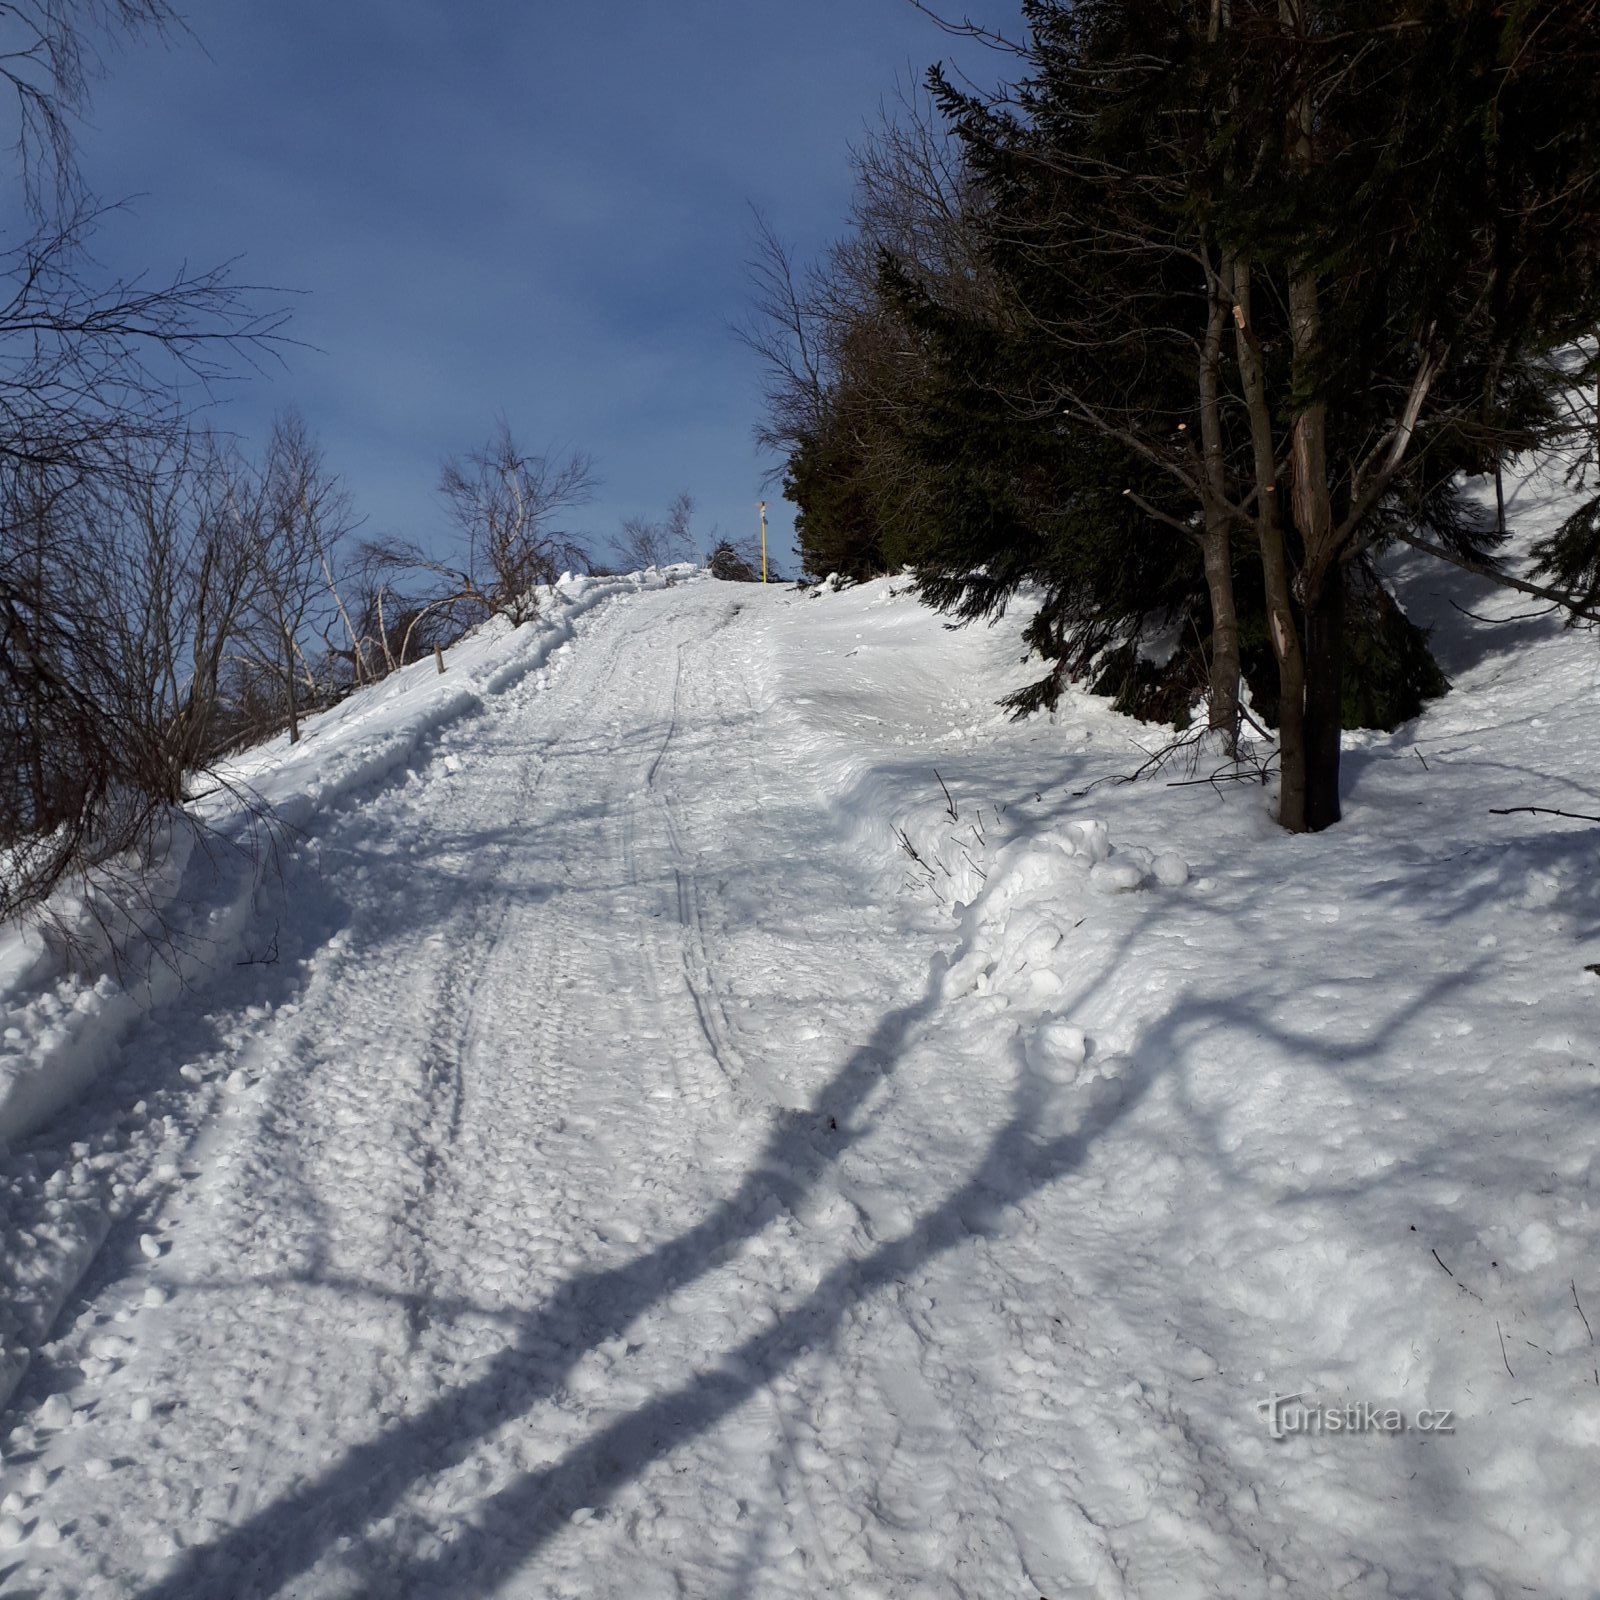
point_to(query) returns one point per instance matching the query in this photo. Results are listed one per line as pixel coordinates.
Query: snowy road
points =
(620, 1178)
(435, 1313)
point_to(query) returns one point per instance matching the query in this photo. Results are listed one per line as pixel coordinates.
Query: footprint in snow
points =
(1062, 1554)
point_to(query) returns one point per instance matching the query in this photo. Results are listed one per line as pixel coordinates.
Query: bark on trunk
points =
(1321, 576)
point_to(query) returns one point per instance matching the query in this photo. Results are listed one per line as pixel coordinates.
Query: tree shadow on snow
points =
(287, 1537)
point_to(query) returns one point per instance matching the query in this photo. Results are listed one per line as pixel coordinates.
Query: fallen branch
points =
(1483, 570)
(1501, 622)
(1542, 811)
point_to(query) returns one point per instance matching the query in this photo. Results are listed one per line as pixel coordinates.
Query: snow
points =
(625, 1169)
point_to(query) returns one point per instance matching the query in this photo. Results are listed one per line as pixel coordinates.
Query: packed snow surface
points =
(711, 1108)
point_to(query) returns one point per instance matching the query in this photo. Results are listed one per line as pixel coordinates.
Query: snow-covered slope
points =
(626, 1171)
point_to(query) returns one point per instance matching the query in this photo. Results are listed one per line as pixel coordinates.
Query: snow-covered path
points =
(432, 1294)
(626, 1181)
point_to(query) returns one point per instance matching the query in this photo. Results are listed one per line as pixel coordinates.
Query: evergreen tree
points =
(1303, 261)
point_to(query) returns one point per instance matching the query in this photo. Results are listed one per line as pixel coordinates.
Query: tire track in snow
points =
(913, 1457)
(524, 1117)
(446, 1019)
(749, 1080)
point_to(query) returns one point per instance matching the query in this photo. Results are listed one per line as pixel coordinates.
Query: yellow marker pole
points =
(763, 541)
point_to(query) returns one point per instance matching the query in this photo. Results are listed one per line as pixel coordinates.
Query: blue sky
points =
(536, 209)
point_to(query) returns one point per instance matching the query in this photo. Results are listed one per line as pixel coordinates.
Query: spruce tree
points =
(1305, 261)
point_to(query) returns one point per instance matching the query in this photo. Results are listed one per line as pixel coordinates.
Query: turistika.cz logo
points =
(1290, 1415)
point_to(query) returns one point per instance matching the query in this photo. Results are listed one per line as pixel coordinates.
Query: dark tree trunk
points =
(289, 692)
(1324, 716)
(1216, 543)
(1218, 557)
(1274, 565)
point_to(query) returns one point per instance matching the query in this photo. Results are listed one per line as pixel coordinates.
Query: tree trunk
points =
(1274, 566)
(1217, 553)
(1216, 543)
(1321, 577)
(1324, 628)
(289, 692)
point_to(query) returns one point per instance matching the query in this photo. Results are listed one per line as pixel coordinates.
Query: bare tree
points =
(118, 599)
(505, 503)
(842, 377)
(659, 544)
(117, 596)
(49, 54)
(290, 515)
(171, 589)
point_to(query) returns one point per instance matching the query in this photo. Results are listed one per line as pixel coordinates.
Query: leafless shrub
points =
(288, 516)
(659, 544)
(117, 603)
(397, 622)
(733, 563)
(504, 503)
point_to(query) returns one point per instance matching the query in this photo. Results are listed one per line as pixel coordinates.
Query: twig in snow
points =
(904, 840)
(1153, 762)
(910, 849)
(1452, 1277)
(1219, 776)
(949, 804)
(1503, 1356)
(1586, 1328)
(1423, 759)
(1542, 811)
(269, 959)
